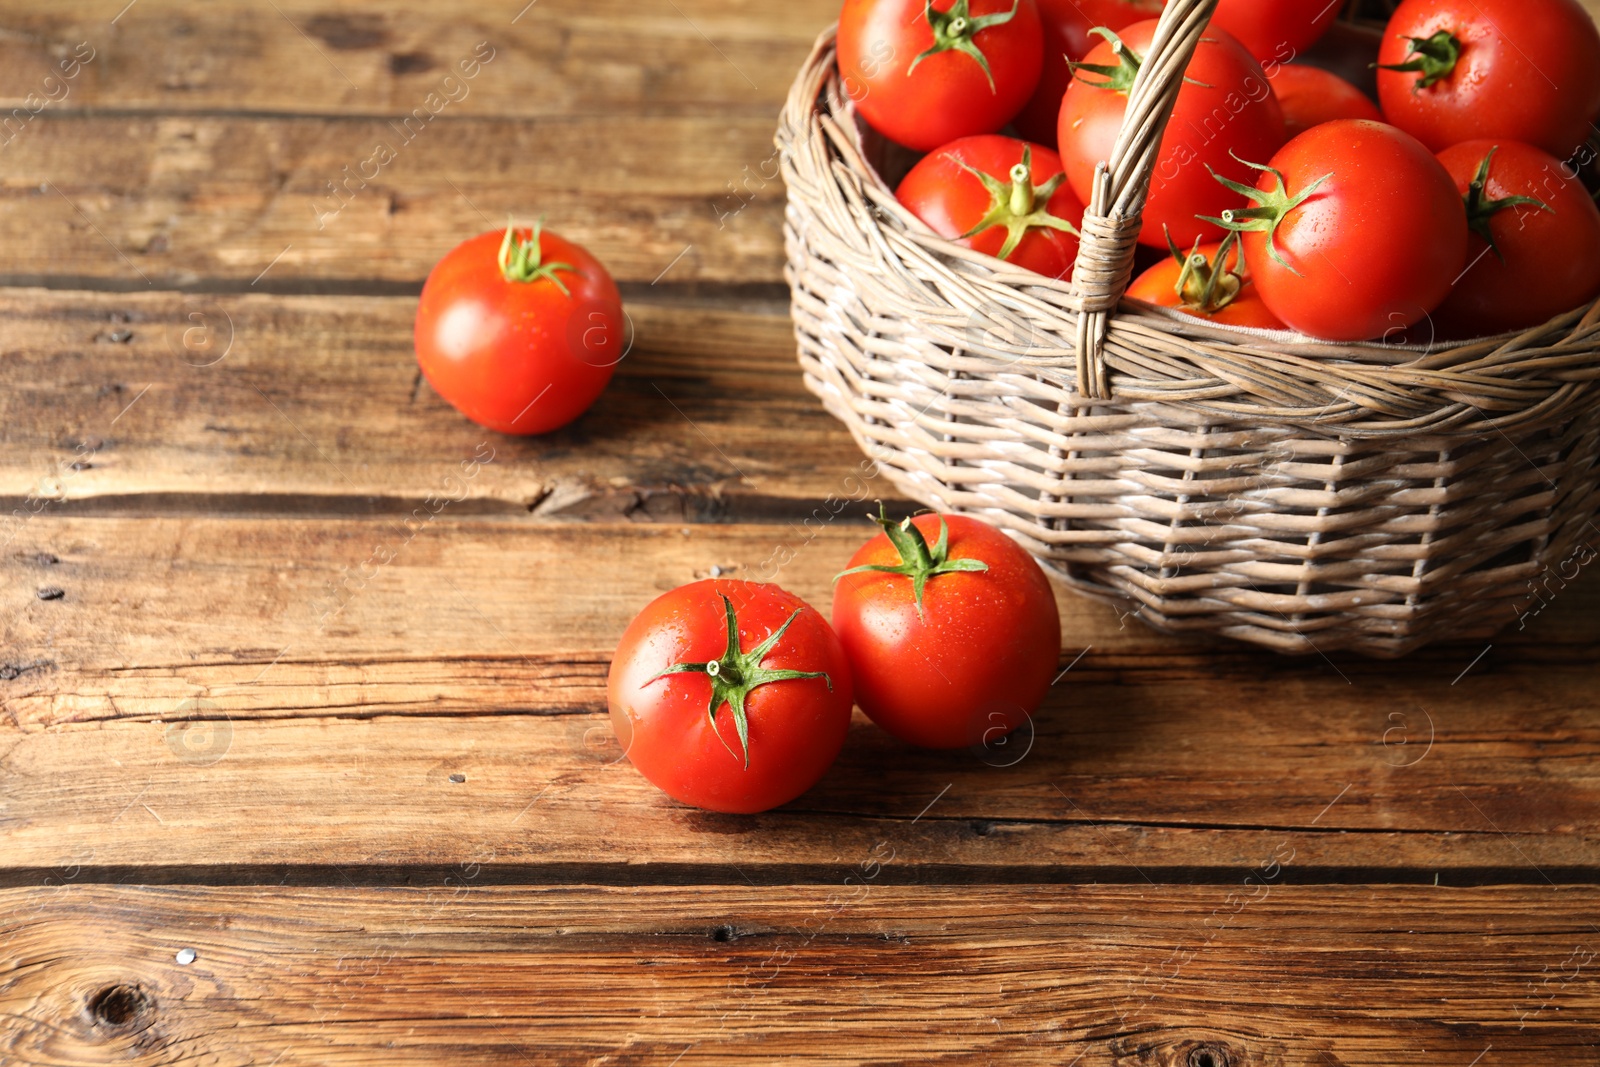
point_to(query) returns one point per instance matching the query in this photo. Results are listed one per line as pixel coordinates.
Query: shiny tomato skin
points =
(1311, 96)
(1158, 286)
(1277, 30)
(1226, 81)
(951, 200)
(1066, 26)
(947, 96)
(979, 660)
(1376, 247)
(518, 357)
(1552, 261)
(796, 726)
(1529, 70)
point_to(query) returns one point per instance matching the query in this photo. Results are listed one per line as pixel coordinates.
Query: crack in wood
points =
(787, 875)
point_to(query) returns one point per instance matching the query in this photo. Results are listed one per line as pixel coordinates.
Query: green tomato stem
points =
(521, 259)
(1116, 78)
(1481, 210)
(954, 30)
(1433, 57)
(1207, 286)
(1020, 206)
(918, 561)
(736, 674)
(1270, 208)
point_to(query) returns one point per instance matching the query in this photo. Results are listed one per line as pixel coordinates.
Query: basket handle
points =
(1121, 184)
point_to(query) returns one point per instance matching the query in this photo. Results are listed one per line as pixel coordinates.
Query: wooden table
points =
(304, 756)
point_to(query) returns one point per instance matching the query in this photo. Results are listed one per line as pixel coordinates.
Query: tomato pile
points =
(1451, 206)
(735, 696)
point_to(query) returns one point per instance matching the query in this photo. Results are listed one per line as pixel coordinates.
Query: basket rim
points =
(1517, 380)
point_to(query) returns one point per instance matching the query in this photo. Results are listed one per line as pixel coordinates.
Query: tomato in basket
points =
(1276, 30)
(1461, 70)
(730, 695)
(1353, 231)
(1210, 282)
(998, 195)
(925, 73)
(1067, 38)
(1534, 251)
(951, 630)
(1311, 96)
(1225, 112)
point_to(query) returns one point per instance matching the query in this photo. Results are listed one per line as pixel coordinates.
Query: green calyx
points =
(520, 259)
(954, 30)
(736, 674)
(1117, 78)
(1207, 286)
(1019, 206)
(1480, 209)
(1433, 57)
(918, 561)
(1270, 208)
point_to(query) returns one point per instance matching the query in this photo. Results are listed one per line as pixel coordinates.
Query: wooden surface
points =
(381, 803)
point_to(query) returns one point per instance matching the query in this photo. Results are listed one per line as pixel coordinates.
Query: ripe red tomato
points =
(924, 75)
(1066, 37)
(1311, 96)
(1519, 70)
(521, 340)
(1355, 231)
(1001, 196)
(1211, 282)
(731, 696)
(1225, 110)
(951, 644)
(1276, 30)
(1534, 251)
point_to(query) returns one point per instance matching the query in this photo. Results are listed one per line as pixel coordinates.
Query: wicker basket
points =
(1302, 495)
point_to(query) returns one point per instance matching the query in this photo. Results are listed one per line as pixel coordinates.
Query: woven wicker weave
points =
(1298, 494)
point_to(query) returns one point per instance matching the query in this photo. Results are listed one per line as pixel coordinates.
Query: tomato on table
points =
(1311, 96)
(925, 73)
(1520, 70)
(952, 642)
(1222, 80)
(1354, 231)
(729, 695)
(1534, 250)
(1001, 196)
(1210, 282)
(1067, 38)
(519, 332)
(1276, 30)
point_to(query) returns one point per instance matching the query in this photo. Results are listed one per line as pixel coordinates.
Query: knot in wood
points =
(120, 1006)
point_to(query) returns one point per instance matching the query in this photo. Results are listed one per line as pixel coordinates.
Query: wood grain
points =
(334, 709)
(842, 973)
(270, 403)
(249, 203)
(238, 146)
(266, 648)
(567, 57)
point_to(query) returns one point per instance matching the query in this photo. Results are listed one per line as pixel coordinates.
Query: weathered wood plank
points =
(286, 403)
(339, 694)
(540, 800)
(1176, 976)
(562, 57)
(290, 145)
(244, 203)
